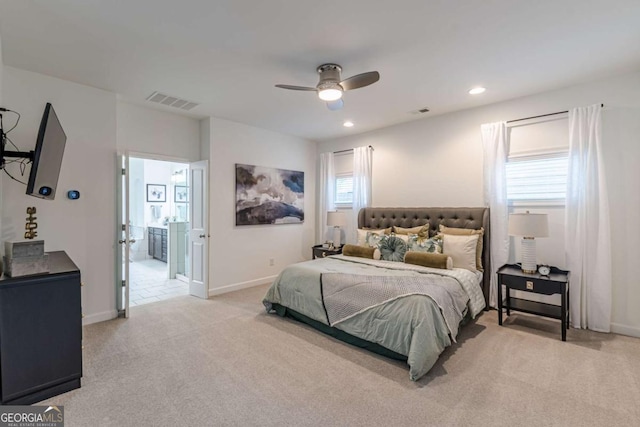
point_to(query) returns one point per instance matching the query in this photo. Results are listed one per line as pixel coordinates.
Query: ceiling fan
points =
(331, 86)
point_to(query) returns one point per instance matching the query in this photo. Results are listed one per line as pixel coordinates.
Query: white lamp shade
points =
(336, 219)
(528, 225)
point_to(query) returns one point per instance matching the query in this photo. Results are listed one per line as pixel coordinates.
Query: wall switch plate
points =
(272, 262)
(529, 285)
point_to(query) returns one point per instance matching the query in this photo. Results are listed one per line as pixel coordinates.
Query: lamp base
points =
(529, 264)
(336, 237)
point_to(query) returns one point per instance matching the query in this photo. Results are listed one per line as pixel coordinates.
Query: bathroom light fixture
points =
(477, 90)
(348, 124)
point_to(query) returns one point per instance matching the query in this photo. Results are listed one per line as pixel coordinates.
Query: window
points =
(537, 178)
(344, 189)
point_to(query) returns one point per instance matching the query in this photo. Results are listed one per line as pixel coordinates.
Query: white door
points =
(199, 233)
(122, 235)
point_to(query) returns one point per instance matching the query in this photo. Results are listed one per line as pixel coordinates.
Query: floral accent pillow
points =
(417, 244)
(373, 239)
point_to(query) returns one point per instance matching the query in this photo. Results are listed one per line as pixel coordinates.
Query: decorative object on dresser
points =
(268, 195)
(25, 258)
(156, 193)
(40, 333)
(528, 226)
(318, 251)
(31, 225)
(556, 282)
(336, 219)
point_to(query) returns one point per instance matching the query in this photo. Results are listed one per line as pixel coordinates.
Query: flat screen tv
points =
(47, 156)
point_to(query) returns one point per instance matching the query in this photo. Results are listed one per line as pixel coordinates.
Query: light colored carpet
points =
(224, 362)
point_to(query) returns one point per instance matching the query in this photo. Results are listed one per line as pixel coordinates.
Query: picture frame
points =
(156, 193)
(267, 195)
(180, 194)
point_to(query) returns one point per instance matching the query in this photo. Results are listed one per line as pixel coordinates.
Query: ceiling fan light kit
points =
(330, 86)
(330, 91)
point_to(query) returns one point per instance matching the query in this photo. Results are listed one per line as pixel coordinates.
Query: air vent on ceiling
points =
(172, 101)
(420, 111)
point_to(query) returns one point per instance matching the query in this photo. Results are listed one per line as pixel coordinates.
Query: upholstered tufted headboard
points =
(451, 217)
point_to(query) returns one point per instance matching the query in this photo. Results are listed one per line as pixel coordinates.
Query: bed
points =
(415, 326)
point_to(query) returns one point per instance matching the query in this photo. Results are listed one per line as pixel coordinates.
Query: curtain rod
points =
(350, 150)
(543, 115)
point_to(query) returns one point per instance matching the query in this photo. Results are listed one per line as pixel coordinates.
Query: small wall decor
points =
(31, 224)
(180, 194)
(268, 195)
(156, 193)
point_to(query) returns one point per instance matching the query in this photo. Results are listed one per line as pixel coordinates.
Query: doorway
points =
(155, 234)
(158, 230)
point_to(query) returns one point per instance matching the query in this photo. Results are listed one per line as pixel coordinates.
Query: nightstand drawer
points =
(532, 284)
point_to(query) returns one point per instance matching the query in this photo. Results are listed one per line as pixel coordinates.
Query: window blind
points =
(537, 178)
(344, 189)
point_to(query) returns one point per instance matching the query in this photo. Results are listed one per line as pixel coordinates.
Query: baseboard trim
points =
(617, 328)
(241, 285)
(99, 317)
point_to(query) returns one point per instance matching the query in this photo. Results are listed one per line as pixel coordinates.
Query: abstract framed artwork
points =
(180, 194)
(156, 193)
(268, 195)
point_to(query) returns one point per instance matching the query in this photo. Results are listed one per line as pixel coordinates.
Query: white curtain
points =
(495, 143)
(326, 200)
(362, 172)
(587, 229)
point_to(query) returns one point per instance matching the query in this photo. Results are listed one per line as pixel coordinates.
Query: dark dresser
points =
(40, 333)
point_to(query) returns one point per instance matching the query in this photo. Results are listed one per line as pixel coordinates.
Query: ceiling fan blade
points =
(296, 87)
(335, 105)
(360, 80)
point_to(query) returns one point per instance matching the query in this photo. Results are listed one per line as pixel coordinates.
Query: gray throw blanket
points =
(346, 295)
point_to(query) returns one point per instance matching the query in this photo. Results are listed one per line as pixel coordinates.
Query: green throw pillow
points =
(392, 248)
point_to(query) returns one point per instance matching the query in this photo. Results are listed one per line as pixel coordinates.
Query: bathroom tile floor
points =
(149, 283)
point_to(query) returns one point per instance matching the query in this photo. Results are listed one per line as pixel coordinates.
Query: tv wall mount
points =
(4, 153)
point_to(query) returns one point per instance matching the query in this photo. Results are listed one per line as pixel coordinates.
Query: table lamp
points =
(529, 226)
(336, 219)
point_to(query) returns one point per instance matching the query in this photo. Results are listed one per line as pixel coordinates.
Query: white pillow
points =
(462, 249)
(403, 237)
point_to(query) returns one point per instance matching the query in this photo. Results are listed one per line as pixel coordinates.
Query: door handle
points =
(122, 241)
(132, 241)
(202, 236)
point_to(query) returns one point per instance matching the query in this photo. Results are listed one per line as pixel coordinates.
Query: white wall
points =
(96, 125)
(438, 162)
(144, 130)
(159, 173)
(83, 228)
(239, 256)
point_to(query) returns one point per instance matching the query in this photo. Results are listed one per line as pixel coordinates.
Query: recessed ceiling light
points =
(477, 91)
(348, 124)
